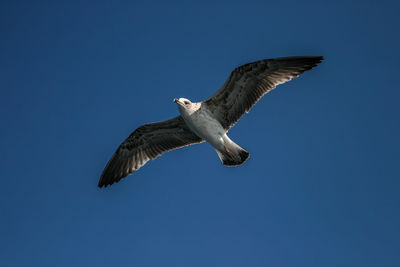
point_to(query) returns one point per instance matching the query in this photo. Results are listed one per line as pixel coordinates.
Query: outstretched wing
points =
(147, 142)
(248, 83)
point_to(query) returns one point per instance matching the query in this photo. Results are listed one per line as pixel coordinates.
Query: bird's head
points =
(185, 105)
(183, 102)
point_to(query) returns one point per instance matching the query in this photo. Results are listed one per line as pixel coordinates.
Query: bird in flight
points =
(209, 120)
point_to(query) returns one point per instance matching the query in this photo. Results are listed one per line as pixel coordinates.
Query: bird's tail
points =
(232, 154)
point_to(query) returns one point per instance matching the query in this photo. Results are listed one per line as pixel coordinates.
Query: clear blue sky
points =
(321, 187)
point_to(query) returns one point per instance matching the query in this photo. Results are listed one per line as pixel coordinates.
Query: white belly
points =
(206, 127)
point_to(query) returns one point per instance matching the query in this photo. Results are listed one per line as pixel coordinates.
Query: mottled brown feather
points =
(249, 82)
(147, 142)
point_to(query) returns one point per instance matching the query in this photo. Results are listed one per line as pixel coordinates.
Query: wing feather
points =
(248, 83)
(147, 142)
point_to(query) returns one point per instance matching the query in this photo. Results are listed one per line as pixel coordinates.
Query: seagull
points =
(209, 120)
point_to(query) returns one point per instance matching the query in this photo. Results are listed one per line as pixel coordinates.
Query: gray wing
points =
(248, 83)
(147, 142)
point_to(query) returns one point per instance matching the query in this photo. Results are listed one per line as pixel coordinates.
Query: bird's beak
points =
(176, 100)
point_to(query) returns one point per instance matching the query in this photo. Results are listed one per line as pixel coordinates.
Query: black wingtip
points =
(319, 58)
(105, 184)
(308, 62)
(102, 183)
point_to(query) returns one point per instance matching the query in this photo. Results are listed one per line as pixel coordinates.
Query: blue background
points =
(321, 187)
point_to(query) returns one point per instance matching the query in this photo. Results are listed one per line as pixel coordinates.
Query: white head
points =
(186, 106)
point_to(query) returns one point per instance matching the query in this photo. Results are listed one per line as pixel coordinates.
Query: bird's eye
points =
(186, 102)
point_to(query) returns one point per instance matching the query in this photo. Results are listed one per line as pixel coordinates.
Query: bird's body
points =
(202, 122)
(209, 120)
